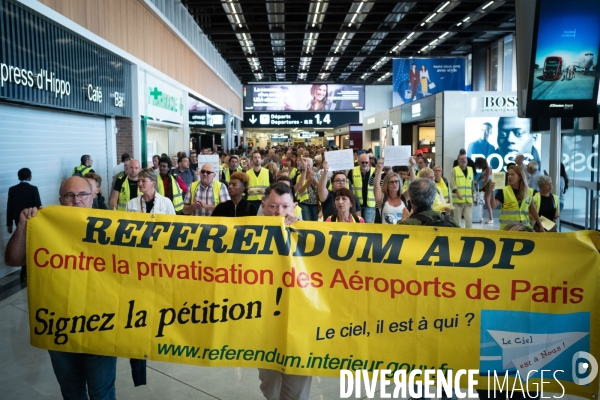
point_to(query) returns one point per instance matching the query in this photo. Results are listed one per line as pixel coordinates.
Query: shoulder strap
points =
(425, 219)
(356, 218)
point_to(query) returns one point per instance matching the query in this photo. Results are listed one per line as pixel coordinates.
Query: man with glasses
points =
(360, 177)
(278, 201)
(204, 195)
(327, 197)
(77, 373)
(126, 188)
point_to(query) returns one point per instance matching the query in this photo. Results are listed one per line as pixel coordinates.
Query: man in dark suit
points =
(21, 196)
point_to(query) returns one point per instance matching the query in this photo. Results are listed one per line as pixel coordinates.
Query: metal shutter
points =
(50, 143)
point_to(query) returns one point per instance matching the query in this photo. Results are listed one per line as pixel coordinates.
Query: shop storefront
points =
(51, 113)
(162, 117)
(207, 126)
(418, 128)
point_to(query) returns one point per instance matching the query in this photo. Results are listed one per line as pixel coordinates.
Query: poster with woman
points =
(415, 78)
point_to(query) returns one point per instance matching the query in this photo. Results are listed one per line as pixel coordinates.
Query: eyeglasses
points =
(80, 196)
(364, 162)
(340, 181)
(394, 182)
(205, 172)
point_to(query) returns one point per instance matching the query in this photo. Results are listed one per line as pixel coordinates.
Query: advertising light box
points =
(563, 79)
(319, 97)
(500, 139)
(417, 78)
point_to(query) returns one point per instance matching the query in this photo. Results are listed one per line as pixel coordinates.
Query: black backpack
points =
(428, 221)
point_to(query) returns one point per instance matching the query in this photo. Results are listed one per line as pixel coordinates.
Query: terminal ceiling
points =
(344, 41)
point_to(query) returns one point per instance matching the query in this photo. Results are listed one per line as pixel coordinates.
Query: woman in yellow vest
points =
(345, 206)
(547, 204)
(516, 200)
(288, 165)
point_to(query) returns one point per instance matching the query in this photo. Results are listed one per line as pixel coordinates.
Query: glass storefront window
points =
(580, 158)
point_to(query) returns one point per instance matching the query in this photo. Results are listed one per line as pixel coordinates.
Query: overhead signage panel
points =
(309, 119)
(320, 97)
(44, 64)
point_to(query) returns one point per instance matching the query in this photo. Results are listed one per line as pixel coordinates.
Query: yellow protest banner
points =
(314, 298)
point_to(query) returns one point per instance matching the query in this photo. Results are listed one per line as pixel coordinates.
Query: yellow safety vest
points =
(175, 191)
(83, 169)
(216, 191)
(125, 196)
(439, 198)
(298, 211)
(444, 189)
(257, 182)
(511, 212)
(300, 197)
(357, 177)
(228, 173)
(537, 198)
(464, 185)
(293, 173)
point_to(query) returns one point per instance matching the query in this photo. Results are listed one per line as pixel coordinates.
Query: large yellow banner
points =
(314, 298)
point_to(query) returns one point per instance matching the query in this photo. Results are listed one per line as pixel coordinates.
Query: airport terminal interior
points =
(480, 114)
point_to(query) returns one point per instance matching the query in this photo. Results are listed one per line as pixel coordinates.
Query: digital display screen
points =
(563, 73)
(318, 97)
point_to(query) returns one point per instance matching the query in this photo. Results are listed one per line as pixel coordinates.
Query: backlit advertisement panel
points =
(563, 75)
(416, 78)
(318, 97)
(500, 139)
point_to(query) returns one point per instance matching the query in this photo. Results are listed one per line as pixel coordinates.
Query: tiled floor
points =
(26, 372)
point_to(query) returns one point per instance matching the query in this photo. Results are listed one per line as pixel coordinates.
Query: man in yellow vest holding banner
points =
(259, 179)
(126, 188)
(360, 177)
(205, 194)
(461, 183)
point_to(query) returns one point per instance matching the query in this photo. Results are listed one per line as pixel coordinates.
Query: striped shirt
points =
(205, 193)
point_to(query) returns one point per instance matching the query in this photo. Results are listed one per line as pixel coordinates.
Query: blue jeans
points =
(368, 214)
(80, 374)
(310, 212)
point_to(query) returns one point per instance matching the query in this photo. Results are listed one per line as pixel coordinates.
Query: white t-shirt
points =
(391, 214)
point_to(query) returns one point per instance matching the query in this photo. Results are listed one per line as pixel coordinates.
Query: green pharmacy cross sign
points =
(162, 100)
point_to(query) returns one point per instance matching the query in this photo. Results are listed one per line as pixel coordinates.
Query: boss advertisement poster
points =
(500, 139)
(564, 78)
(415, 78)
(318, 97)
